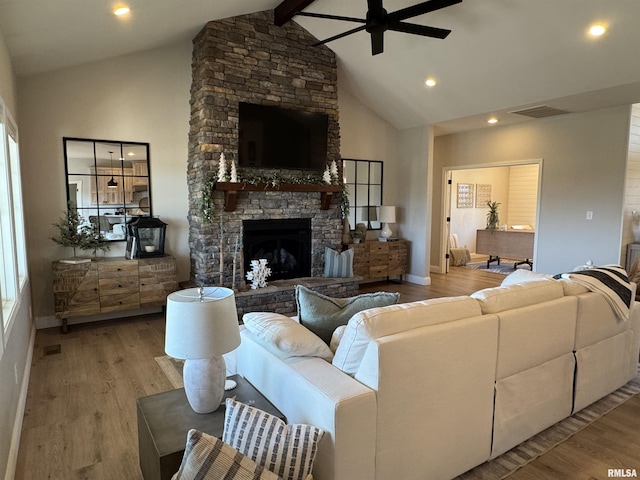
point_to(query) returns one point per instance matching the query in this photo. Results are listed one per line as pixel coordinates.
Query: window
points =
(13, 256)
(363, 179)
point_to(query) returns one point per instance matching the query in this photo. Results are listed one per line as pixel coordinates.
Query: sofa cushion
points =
(338, 264)
(521, 275)
(323, 314)
(499, 299)
(287, 450)
(379, 322)
(284, 337)
(209, 458)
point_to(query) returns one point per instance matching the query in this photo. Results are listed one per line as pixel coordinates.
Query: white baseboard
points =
(12, 461)
(50, 321)
(417, 280)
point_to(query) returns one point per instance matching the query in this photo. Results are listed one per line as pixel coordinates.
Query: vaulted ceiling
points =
(502, 55)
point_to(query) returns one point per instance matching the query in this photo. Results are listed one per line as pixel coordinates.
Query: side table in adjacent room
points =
(165, 418)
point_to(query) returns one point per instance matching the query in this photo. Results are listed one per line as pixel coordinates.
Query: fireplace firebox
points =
(285, 243)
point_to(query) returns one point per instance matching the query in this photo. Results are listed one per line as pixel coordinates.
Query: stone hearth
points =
(249, 59)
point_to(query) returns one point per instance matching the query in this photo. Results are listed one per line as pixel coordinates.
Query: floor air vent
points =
(541, 111)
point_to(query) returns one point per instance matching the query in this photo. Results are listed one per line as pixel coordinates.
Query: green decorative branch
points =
(73, 233)
(207, 208)
(345, 206)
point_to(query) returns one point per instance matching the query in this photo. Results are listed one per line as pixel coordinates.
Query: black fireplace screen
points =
(284, 243)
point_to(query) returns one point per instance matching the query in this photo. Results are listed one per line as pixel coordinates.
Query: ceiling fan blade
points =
(423, 30)
(331, 17)
(340, 35)
(377, 42)
(420, 9)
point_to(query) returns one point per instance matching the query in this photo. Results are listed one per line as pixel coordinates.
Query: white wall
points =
(142, 97)
(365, 136)
(15, 359)
(414, 198)
(584, 161)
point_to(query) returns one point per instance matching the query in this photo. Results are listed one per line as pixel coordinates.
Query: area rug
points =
(172, 368)
(505, 267)
(517, 457)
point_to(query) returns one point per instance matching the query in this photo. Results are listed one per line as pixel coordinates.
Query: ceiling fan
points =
(378, 21)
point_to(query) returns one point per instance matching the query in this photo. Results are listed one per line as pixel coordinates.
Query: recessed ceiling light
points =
(430, 82)
(492, 120)
(121, 10)
(597, 30)
(131, 154)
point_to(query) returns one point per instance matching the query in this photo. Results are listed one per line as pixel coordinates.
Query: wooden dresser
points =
(111, 284)
(380, 259)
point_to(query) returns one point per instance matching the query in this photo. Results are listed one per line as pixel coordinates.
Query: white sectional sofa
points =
(430, 389)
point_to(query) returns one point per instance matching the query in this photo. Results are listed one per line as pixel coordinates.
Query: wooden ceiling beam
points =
(287, 9)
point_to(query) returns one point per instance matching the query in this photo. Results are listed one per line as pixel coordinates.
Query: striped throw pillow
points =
(209, 458)
(338, 264)
(286, 450)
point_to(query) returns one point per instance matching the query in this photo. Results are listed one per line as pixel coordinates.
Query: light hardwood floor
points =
(80, 420)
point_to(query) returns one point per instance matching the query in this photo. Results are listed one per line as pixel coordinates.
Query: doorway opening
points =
(515, 186)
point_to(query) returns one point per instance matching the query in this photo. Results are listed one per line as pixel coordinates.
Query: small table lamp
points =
(387, 216)
(202, 325)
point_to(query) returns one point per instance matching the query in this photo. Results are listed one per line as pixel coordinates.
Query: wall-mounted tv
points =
(274, 137)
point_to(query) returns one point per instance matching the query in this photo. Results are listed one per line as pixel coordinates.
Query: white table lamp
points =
(387, 216)
(202, 325)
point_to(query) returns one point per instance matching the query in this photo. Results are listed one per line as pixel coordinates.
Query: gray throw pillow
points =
(322, 314)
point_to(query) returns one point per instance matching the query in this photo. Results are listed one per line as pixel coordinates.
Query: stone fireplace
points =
(249, 59)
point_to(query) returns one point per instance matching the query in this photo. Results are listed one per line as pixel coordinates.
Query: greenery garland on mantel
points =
(273, 180)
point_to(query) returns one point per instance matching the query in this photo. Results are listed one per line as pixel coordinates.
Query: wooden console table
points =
(506, 244)
(380, 259)
(111, 284)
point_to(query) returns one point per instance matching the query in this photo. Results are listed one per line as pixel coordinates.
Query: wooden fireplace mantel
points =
(231, 189)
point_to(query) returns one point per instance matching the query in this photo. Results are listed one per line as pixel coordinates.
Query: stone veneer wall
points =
(249, 59)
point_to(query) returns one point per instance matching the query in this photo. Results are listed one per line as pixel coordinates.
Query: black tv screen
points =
(274, 137)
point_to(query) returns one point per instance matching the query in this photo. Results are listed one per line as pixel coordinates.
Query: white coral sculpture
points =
(259, 273)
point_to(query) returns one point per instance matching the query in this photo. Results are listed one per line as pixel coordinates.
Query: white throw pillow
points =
(287, 450)
(336, 337)
(284, 337)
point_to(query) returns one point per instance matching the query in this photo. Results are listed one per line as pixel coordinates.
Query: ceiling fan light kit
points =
(378, 21)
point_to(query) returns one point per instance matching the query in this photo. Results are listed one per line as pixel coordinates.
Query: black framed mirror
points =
(363, 179)
(108, 182)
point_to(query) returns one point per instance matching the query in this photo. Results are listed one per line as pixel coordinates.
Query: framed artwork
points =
(483, 194)
(465, 195)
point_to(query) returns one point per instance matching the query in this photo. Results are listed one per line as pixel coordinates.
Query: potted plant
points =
(360, 233)
(493, 219)
(74, 233)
